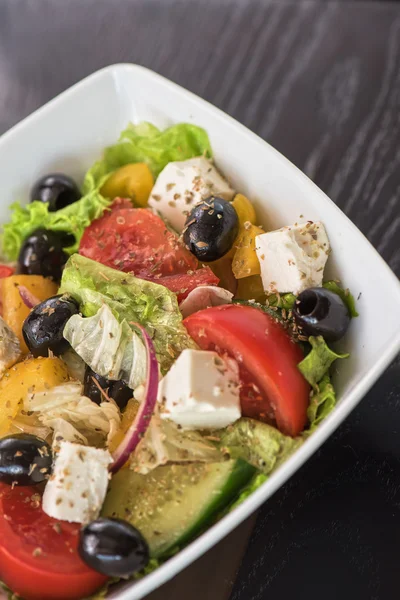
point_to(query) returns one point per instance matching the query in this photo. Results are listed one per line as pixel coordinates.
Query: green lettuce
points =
(146, 143)
(322, 402)
(137, 143)
(251, 487)
(131, 299)
(285, 301)
(317, 362)
(164, 442)
(259, 444)
(72, 219)
(345, 295)
(8, 593)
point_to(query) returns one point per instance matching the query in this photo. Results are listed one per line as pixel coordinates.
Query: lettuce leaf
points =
(137, 143)
(259, 444)
(72, 219)
(130, 299)
(165, 443)
(73, 416)
(317, 363)
(345, 295)
(251, 487)
(146, 143)
(322, 402)
(8, 594)
(110, 348)
(285, 301)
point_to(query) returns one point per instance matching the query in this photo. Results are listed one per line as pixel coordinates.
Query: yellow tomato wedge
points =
(32, 375)
(245, 261)
(14, 310)
(245, 209)
(133, 181)
(250, 288)
(246, 214)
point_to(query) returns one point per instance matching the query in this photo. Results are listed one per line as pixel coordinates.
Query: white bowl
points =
(68, 134)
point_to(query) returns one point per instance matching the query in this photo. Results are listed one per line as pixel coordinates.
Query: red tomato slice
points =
(183, 284)
(38, 555)
(273, 389)
(136, 240)
(5, 271)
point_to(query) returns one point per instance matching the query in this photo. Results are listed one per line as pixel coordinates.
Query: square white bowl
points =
(69, 133)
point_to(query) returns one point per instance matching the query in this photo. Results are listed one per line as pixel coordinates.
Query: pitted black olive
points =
(211, 229)
(121, 393)
(117, 390)
(24, 459)
(319, 311)
(113, 547)
(91, 390)
(57, 190)
(42, 253)
(44, 326)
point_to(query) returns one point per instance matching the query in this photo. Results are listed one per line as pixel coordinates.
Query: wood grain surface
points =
(320, 81)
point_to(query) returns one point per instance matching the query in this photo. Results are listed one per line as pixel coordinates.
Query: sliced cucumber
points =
(173, 503)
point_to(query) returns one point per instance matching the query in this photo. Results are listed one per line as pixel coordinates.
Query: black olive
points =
(24, 459)
(91, 390)
(211, 229)
(121, 393)
(118, 390)
(42, 253)
(321, 312)
(113, 547)
(43, 328)
(57, 190)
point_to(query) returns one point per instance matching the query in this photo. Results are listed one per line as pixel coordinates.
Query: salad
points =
(161, 354)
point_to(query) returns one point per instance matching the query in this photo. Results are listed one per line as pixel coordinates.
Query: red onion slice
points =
(27, 297)
(142, 420)
(202, 297)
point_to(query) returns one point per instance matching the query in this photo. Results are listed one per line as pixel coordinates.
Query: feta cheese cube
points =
(201, 391)
(76, 490)
(10, 348)
(182, 185)
(293, 258)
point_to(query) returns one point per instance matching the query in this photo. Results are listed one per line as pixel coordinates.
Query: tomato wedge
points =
(136, 241)
(272, 388)
(5, 271)
(183, 284)
(38, 555)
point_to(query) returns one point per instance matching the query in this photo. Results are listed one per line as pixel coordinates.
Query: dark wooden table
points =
(321, 82)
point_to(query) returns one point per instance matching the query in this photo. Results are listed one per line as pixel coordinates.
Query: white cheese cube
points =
(293, 259)
(10, 348)
(76, 490)
(201, 391)
(182, 185)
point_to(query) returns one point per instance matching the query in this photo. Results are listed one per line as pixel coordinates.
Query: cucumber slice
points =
(173, 503)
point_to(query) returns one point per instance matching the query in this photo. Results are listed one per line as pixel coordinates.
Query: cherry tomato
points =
(272, 388)
(137, 241)
(183, 284)
(38, 555)
(5, 271)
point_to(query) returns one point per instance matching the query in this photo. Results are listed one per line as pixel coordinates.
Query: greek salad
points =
(161, 353)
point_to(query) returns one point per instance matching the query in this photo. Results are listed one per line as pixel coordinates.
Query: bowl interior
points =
(69, 133)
